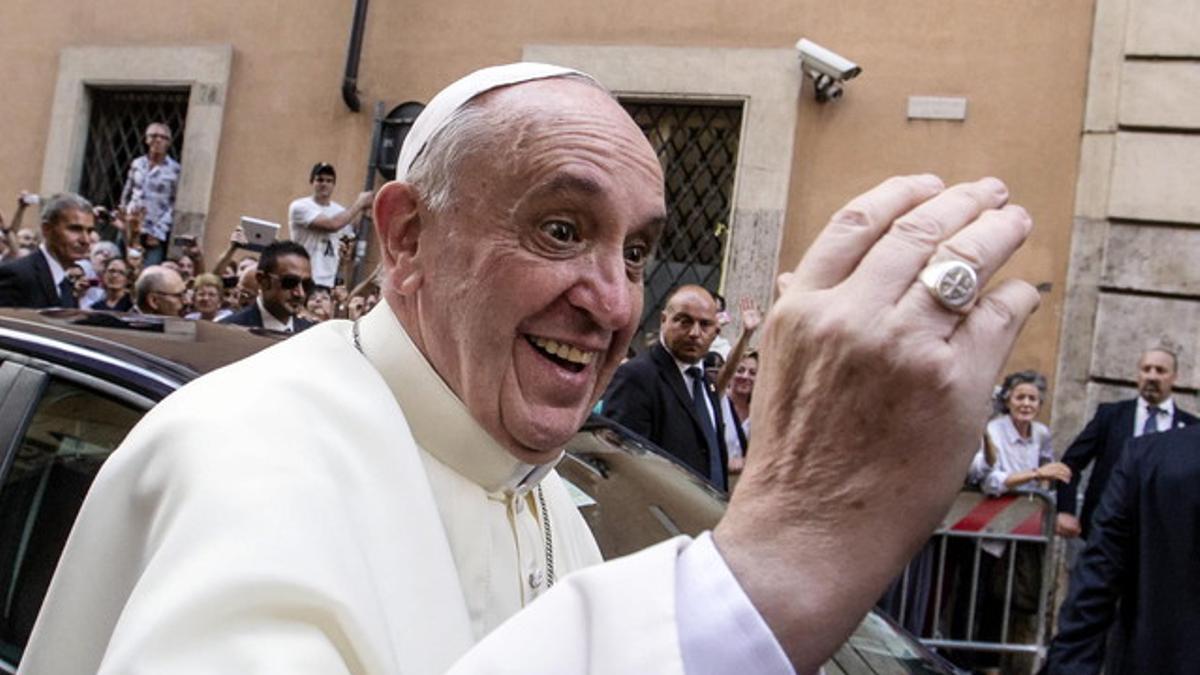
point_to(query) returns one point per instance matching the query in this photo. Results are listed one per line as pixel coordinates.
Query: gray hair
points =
(148, 281)
(108, 247)
(1012, 380)
(62, 202)
(471, 129)
(1166, 348)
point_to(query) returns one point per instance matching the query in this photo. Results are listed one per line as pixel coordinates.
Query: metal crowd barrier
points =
(979, 546)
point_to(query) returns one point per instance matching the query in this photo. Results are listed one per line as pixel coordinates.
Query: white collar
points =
(1013, 435)
(1167, 406)
(56, 269)
(269, 321)
(440, 422)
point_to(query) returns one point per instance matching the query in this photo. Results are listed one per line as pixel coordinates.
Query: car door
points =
(57, 426)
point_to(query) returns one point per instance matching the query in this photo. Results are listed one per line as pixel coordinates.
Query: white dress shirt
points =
(269, 320)
(1165, 418)
(1014, 453)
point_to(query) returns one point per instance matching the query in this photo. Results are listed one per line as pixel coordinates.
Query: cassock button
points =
(536, 578)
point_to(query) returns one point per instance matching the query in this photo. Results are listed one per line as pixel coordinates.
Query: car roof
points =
(168, 349)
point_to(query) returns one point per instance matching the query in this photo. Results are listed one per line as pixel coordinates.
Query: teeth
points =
(564, 351)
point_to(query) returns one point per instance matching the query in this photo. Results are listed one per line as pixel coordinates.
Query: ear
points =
(264, 279)
(398, 219)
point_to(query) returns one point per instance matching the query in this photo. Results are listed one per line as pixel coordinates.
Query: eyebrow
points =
(570, 182)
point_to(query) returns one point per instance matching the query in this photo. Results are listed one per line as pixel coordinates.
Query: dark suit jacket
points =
(250, 316)
(1144, 551)
(27, 282)
(648, 395)
(1101, 442)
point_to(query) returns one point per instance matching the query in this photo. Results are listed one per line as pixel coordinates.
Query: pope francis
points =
(400, 513)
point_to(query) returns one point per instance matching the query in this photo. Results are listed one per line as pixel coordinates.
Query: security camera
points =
(827, 69)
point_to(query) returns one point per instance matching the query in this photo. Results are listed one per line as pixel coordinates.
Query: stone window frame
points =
(205, 70)
(768, 83)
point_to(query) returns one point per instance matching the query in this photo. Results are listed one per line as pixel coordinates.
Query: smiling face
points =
(1024, 402)
(206, 299)
(525, 290)
(743, 378)
(116, 275)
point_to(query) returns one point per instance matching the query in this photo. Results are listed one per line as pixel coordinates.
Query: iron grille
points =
(116, 131)
(697, 144)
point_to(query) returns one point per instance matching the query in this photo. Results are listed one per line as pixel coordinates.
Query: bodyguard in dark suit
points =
(284, 281)
(1144, 551)
(39, 279)
(663, 394)
(1110, 429)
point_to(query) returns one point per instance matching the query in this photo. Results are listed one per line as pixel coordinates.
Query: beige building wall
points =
(1021, 66)
(1134, 281)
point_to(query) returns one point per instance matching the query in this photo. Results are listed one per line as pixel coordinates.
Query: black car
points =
(73, 383)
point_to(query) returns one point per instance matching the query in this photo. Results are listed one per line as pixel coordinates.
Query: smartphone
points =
(31, 200)
(185, 240)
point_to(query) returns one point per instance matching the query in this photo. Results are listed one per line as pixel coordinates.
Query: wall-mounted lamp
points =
(827, 69)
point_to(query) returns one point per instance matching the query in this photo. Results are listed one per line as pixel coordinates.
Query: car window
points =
(71, 433)
(878, 648)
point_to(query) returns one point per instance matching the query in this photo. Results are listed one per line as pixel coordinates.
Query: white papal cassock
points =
(314, 509)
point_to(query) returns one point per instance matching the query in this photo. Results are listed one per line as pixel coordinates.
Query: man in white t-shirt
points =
(318, 222)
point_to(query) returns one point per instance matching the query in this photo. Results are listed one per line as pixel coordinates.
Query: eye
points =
(636, 254)
(561, 231)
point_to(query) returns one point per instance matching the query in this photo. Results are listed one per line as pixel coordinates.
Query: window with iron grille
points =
(116, 130)
(697, 144)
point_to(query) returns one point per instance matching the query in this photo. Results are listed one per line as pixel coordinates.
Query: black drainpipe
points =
(353, 53)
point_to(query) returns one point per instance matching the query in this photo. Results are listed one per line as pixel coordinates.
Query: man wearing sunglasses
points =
(284, 282)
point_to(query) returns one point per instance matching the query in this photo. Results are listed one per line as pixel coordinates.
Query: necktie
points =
(66, 296)
(715, 473)
(1151, 425)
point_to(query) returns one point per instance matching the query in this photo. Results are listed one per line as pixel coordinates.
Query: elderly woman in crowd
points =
(1016, 452)
(114, 281)
(1016, 457)
(207, 293)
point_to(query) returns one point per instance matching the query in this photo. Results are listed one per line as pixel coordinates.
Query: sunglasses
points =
(291, 281)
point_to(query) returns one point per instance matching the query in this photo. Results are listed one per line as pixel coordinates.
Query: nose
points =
(604, 291)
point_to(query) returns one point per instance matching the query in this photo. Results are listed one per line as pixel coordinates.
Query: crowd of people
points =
(690, 392)
(421, 384)
(123, 258)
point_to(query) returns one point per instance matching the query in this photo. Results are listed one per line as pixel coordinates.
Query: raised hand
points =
(868, 403)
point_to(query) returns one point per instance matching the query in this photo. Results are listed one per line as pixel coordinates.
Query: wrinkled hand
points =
(751, 317)
(1055, 471)
(1067, 525)
(868, 403)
